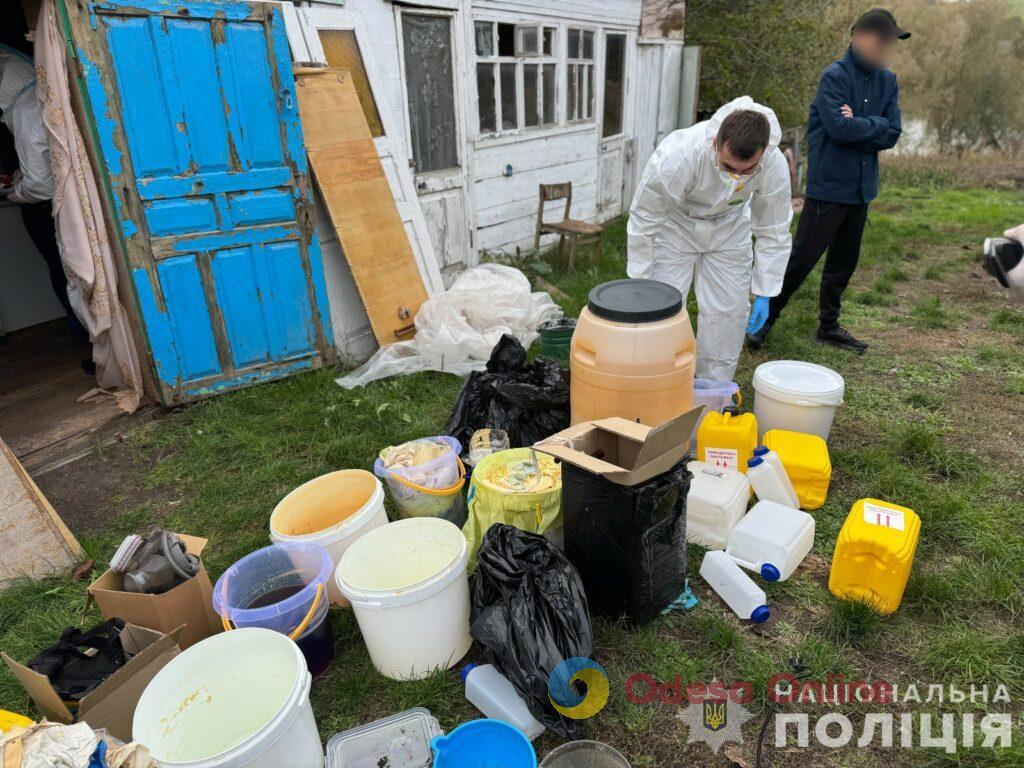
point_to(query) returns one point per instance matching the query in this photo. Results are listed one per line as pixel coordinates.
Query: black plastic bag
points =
(530, 614)
(530, 401)
(627, 542)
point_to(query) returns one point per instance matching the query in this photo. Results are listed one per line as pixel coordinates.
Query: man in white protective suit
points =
(707, 192)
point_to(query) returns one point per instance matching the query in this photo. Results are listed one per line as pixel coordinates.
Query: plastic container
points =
(556, 338)
(409, 591)
(717, 500)
(740, 593)
(332, 510)
(727, 440)
(235, 699)
(584, 754)
(874, 554)
(283, 588)
(398, 741)
(715, 396)
(771, 540)
(770, 481)
(806, 461)
(491, 692)
(800, 397)
(633, 354)
(484, 744)
(484, 443)
(431, 489)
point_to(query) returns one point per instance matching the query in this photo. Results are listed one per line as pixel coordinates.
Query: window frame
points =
(590, 72)
(520, 60)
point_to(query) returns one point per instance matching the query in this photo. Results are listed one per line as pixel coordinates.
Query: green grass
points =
(930, 422)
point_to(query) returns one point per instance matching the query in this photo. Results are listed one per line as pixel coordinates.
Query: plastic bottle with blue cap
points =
(493, 694)
(740, 593)
(770, 481)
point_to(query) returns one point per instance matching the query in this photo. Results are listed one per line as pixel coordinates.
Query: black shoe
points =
(89, 366)
(840, 337)
(756, 340)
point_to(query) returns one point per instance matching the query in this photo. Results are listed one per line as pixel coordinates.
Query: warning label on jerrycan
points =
(886, 517)
(722, 457)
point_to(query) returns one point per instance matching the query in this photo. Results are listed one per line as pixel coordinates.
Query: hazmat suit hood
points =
(742, 103)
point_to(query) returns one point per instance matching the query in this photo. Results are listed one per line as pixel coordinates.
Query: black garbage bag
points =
(530, 401)
(530, 614)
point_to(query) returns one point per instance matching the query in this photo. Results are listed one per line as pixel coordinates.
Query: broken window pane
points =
(509, 102)
(549, 94)
(574, 43)
(530, 95)
(549, 41)
(506, 39)
(430, 88)
(588, 45)
(614, 77)
(484, 38)
(529, 43)
(341, 49)
(485, 96)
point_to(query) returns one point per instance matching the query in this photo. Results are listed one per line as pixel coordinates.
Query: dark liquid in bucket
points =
(317, 643)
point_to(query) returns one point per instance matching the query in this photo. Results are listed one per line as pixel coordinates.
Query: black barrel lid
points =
(635, 301)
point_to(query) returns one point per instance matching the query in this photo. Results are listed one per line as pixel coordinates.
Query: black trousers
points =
(39, 223)
(833, 226)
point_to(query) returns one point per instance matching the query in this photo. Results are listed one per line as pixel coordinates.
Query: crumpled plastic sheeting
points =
(456, 330)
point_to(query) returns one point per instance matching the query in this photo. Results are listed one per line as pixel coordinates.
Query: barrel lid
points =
(635, 301)
(800, 383)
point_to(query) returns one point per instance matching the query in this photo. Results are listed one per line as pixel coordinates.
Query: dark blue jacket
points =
(843, 154)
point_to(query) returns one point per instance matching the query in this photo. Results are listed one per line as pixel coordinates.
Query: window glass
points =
(430, 87)
(531, 93)
(549, 94)
(485, 95)
(529, 42)
(509, 105)
(614, 78)
(549, 41)
(484, 38)
(588, 45)
(574, 43)
(571, 107)
(342, 51)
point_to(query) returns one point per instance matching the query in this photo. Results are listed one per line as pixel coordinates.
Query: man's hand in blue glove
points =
(758, 314)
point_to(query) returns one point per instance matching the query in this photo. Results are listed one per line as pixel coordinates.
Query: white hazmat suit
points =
(691, 223)
(22, 116)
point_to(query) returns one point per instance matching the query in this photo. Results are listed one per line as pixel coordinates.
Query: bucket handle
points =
(738, 397)
(435, 491)
(297, 632)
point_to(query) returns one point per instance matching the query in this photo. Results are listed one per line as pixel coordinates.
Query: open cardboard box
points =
(190, 603)
(622, 451)
(110, 705)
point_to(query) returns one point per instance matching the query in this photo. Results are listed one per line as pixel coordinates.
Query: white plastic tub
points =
(409, 590)
(235, 699)
(800, 397)
(332, 510)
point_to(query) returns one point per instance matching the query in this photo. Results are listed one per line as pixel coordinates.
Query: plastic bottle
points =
(491, 692)
(770, 481)
(740, 593)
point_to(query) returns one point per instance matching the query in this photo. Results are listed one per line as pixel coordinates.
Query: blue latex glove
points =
(758, 314)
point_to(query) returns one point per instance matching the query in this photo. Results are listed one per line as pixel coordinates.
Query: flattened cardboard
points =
(622, 451)
(189, 603)
(112, 704)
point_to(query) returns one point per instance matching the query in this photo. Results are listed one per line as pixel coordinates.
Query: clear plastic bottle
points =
(770, 481)
(491, 692)
(740, 593)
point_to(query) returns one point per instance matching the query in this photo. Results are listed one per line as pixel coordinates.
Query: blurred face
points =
(874, 48)
(734, 165)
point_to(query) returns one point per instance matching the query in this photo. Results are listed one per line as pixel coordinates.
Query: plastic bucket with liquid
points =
(431, 489)
(235, 700)
(797, 396)
(484, 744)
(332, 510)
(283, 588)
(584, 754)
(408, 587)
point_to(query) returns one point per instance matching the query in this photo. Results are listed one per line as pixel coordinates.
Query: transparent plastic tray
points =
(399, 741)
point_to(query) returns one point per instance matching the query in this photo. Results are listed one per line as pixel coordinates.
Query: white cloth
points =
(20, 112)
(456, 330)
(690, 224)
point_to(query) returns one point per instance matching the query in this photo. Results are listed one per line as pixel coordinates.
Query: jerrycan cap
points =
(769, 572)
(760, 614)
(761, 450)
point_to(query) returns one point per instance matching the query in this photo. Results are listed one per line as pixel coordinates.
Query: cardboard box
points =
(622, 451)
(190, 603)
(112, 704)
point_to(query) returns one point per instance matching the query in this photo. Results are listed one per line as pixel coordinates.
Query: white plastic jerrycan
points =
(718, 498)
(770, 481)
(740, 593)
(772, 540)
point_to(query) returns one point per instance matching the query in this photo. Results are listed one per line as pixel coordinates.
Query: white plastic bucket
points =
(235, 699)
(332, 510)
(798, 396)
(408, 587)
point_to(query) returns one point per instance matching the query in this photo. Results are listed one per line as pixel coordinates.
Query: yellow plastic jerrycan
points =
(727, 439)
(874, 552)
(807, 463)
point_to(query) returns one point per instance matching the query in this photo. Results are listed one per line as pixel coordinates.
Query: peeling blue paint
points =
(249, 378)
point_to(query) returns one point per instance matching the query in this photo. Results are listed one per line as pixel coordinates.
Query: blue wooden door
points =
(196, 111)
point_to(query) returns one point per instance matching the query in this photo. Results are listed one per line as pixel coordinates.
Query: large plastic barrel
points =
(633, 354)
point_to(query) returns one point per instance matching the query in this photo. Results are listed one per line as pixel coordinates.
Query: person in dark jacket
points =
(854, 116)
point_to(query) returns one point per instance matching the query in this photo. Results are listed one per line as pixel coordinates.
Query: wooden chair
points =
(578, 232)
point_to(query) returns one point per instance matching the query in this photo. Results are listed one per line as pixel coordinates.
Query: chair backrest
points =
(549, 192)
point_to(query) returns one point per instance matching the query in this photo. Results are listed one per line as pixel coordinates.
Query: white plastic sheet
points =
(456, 330)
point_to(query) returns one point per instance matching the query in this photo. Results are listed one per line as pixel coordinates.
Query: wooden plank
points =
(359, 200)
(34, 540)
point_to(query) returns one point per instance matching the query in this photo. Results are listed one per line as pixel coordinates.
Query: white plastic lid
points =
(793, 381)
(399, 741)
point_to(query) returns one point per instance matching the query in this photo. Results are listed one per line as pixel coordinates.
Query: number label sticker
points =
(884, 517)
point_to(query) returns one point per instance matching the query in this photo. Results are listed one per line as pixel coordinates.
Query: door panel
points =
(612, 146)
(225, 261)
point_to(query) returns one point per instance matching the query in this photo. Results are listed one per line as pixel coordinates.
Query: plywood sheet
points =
(33, 539)
(348, 171)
